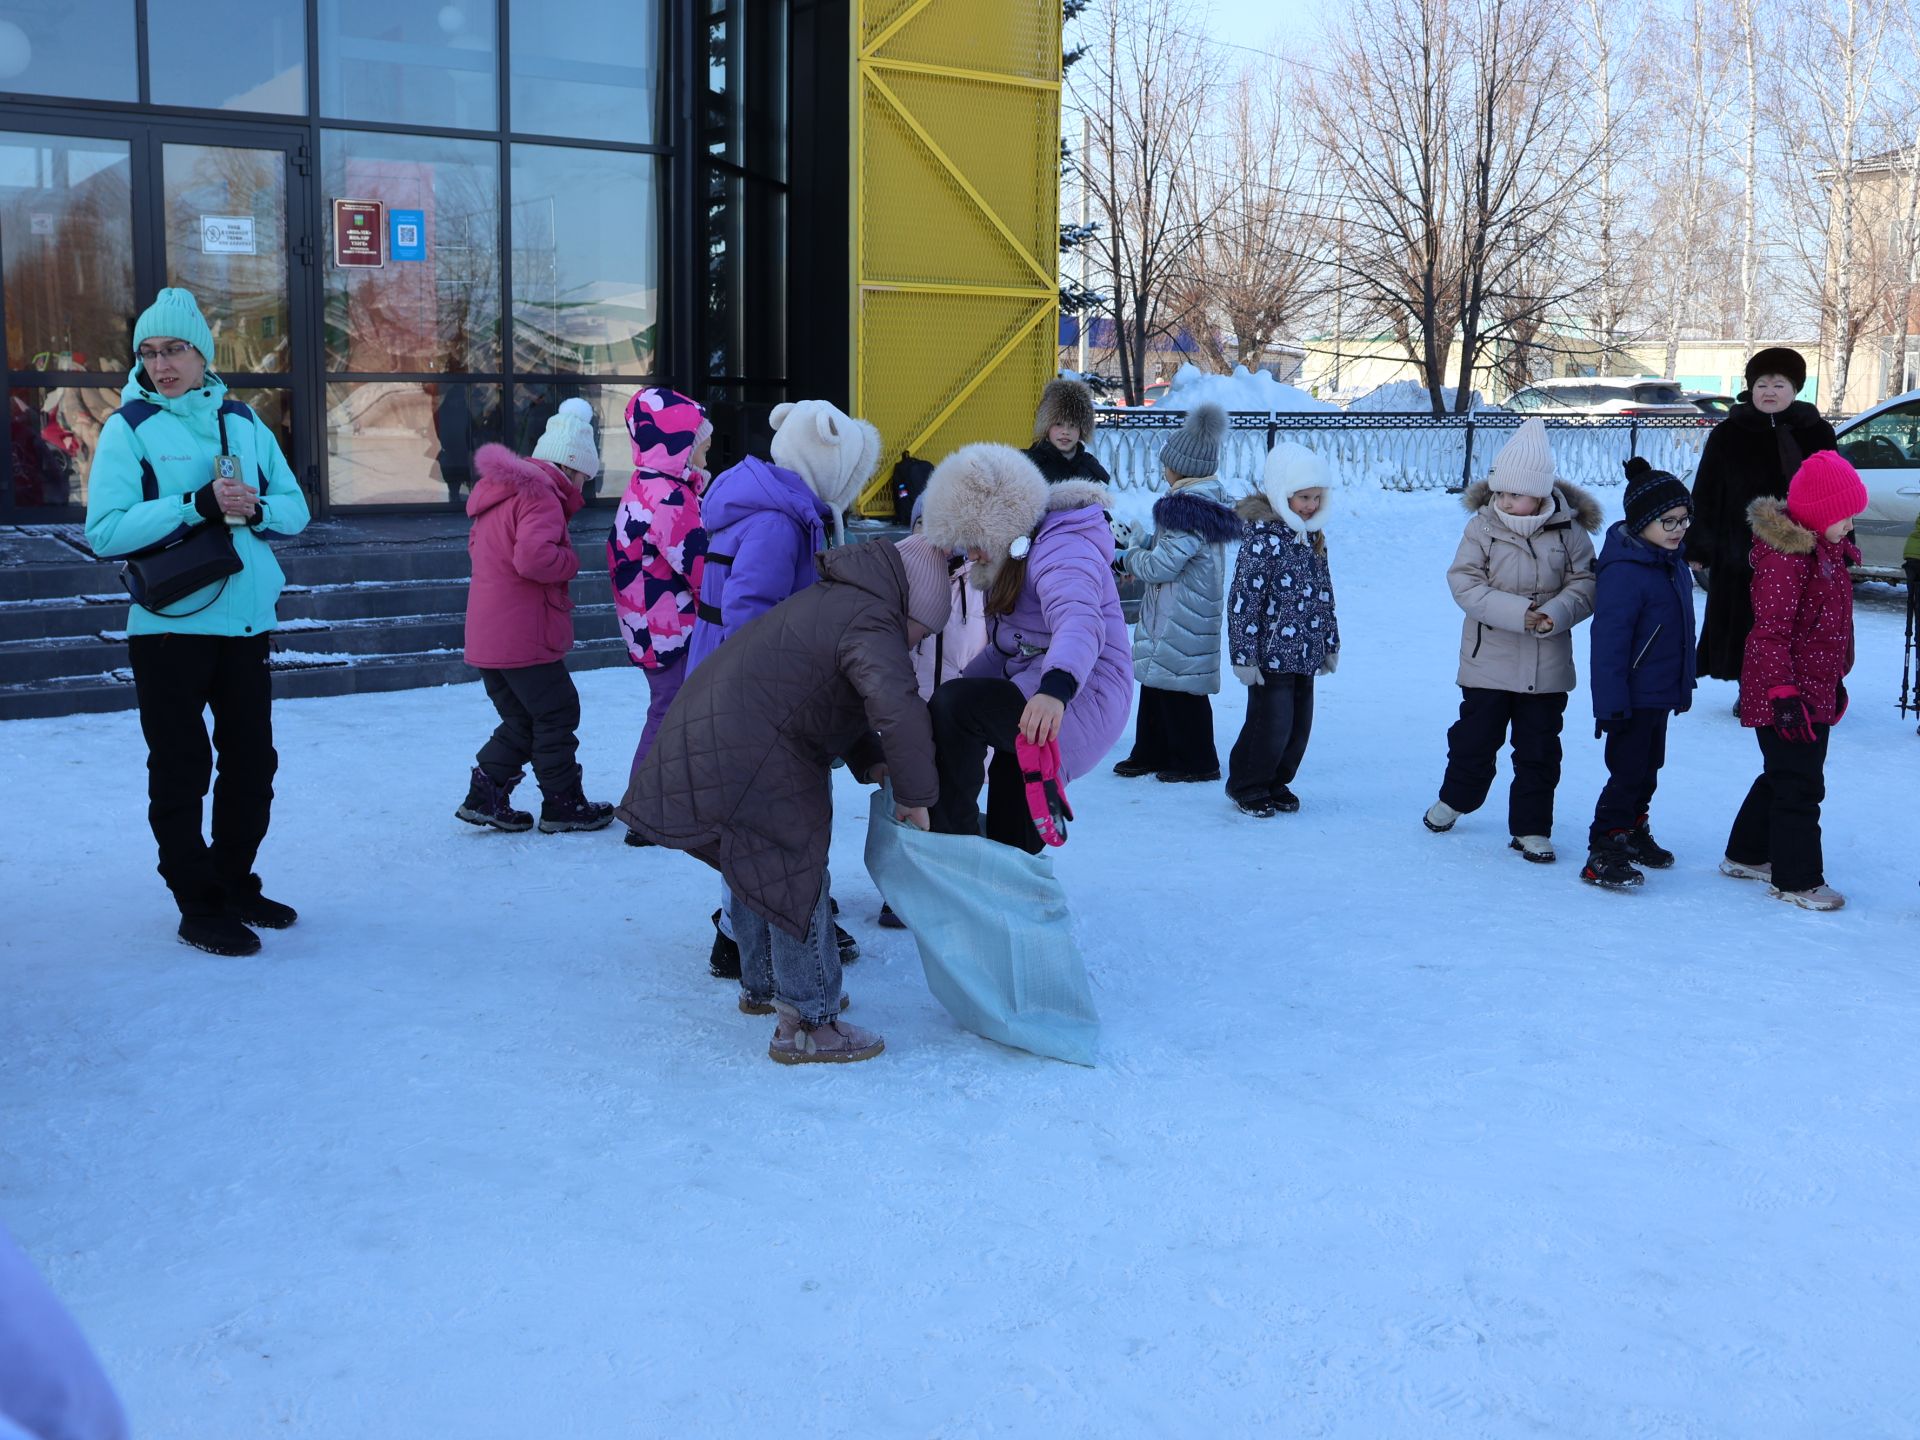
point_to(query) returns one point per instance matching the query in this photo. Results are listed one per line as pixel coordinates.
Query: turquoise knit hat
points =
(175, 313)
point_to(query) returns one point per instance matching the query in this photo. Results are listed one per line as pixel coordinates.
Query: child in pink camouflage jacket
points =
(658, 547)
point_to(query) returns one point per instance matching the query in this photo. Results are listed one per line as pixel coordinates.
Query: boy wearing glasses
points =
(1641, 668)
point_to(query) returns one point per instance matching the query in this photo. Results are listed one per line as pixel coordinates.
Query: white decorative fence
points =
(1402, 452)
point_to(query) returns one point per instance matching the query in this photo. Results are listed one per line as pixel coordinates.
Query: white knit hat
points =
(826, 447)
(1524, 465)
(572, 438)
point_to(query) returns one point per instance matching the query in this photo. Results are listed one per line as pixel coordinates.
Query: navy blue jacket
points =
(1642, 655)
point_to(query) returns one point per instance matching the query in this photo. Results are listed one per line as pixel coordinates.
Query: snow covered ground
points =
(1394, 1135)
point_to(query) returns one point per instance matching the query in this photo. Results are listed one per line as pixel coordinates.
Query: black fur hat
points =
(1065, 402)
(1778, 360)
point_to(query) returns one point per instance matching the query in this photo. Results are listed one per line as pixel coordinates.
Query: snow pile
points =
(1401, 396)
(1393, 1135)
(1243, 390)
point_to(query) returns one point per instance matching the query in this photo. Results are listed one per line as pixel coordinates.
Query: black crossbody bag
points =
(192, 557)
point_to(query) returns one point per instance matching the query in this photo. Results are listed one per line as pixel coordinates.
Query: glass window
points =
(82, 48)
(66, 241)
(1658, 395)
(400, 442)
(52, 434)
(535, 404)
(586, 261)
(1889, 441)
(260, 63)
(227, 242)
(276, 408)
(410, 62)
(588, 68)
(745, 120)
(433, 315)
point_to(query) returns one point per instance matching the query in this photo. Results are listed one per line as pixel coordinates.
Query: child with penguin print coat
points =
(1176, 645)
(1281, 629)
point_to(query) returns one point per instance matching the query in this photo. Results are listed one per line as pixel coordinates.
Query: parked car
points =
(1708, 403)
(1156, 392)
(1884, 445)
(1602, 395)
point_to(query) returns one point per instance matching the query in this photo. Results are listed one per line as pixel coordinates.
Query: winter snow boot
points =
(1739, 871)
(1439, 817)
(1187, 777)
(1259, 809)
(571, 810)
(1537, 848)
(723, 962)
(835, 1042)
(1643, 849)
(1820, 897)
(637, 840)
(218, 935)
(849, 947)
(1285, 801)
(1609, 863)
(750, 1006)
(889, 920)
(1132, 769)
(488, 804)
(245, 903)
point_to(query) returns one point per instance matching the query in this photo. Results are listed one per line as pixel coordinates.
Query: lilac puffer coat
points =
(764, 526)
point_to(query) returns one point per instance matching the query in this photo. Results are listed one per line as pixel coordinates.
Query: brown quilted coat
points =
(741, 774)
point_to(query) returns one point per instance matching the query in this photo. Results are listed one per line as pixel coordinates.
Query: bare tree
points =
(1747, 18)
(1613, 29)
(1141, 88)
(1691, 111)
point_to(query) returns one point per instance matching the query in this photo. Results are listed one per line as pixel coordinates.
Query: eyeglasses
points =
(164, 352)
(1673, 526)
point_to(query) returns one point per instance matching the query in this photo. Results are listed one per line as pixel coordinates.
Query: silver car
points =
(1883, 444)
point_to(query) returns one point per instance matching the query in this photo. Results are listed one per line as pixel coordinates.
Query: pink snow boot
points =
(1046, 788)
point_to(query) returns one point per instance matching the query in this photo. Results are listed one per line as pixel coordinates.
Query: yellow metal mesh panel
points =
(957, 176)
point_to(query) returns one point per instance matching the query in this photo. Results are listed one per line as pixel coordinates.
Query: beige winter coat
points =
(1498, 575)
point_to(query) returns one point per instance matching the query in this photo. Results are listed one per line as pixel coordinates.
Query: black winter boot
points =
(1643, 849)
(1609, 865)
(889, 920)
(849, 947)
(490, 804)
(723, 962)
(571, 810)
(218, 935)
(1285, 801)
(245, 903)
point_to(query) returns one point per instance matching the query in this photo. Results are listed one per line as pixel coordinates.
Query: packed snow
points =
(1244, 389)
(1404, 396)
(1392, 1134)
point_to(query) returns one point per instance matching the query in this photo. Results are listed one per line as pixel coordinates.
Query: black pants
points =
(1267, 755)
(176, 679)
(1779, 822)
(1473, 751)
(539, 713)
(971, 717)
(1635, 753)
(1174, 731)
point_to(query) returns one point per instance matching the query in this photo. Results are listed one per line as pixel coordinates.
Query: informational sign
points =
(359, 234)
(227, 235)
(40, 222)
(407, 230)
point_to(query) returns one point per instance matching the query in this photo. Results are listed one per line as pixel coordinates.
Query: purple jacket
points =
(764, 526)
(1067, 617)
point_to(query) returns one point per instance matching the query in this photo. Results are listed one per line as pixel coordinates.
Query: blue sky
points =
(1261, 22)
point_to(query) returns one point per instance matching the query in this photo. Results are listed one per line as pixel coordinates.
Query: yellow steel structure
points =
(956, 221)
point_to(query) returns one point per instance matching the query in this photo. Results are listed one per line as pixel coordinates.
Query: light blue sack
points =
(995, 935)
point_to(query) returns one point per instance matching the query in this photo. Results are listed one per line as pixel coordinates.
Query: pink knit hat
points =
(929, 590)
(1824, 491)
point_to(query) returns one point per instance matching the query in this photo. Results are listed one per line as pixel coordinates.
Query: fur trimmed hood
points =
(1772, 524)
(1198, 515)
(987, 496)
(1066, 402)
(1576, 502)
(503, 474)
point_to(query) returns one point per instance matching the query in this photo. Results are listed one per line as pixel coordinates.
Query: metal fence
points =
(1416, 451)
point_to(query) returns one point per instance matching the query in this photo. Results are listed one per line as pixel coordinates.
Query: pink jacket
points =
(964, 637)
(1802, 637)
(657, 550)
(518, 610)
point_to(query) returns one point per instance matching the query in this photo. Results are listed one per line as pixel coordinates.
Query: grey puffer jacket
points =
(1176, 645)
(1498, 575)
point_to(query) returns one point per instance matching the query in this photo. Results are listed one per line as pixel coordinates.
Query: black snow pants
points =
(1635, 752)
(1473, 751)
(1779, 822)
(1273, 740)
(1173, 731)
(539, 713)
(971, 717)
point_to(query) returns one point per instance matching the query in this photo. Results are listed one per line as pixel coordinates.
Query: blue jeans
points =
(800, 975)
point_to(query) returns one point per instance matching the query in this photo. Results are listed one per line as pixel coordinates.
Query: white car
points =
(1604, 395)
(1884, 446)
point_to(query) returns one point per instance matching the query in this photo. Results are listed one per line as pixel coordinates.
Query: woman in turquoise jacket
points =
(153, 472)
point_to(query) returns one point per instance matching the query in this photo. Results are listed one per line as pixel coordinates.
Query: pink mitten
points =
(1046, 789)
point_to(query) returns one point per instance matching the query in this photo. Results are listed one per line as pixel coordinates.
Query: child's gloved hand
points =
(1249, 675)
(1840, 704)
(1331, 663)
(1791, 718)
(1607, 724)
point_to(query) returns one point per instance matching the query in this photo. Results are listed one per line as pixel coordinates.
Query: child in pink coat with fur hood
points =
(520, 624)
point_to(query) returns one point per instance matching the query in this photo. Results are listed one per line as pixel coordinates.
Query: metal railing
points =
(1414, 451)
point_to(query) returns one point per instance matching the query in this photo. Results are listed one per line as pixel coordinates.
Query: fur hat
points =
(829, 449)
(1824, 491)
(175, 314)
(984, 495)
(1778, 360)
(1195, 448)
(1524, 465)
(571, 438)
(1651, 493)
(929, 587)
(1065, 402)
(1291, 468)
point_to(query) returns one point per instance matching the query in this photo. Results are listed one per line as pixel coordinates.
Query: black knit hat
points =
(1651, 493)
(1778, 360)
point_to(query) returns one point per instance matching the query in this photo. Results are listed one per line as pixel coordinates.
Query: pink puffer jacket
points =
(518, 610)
